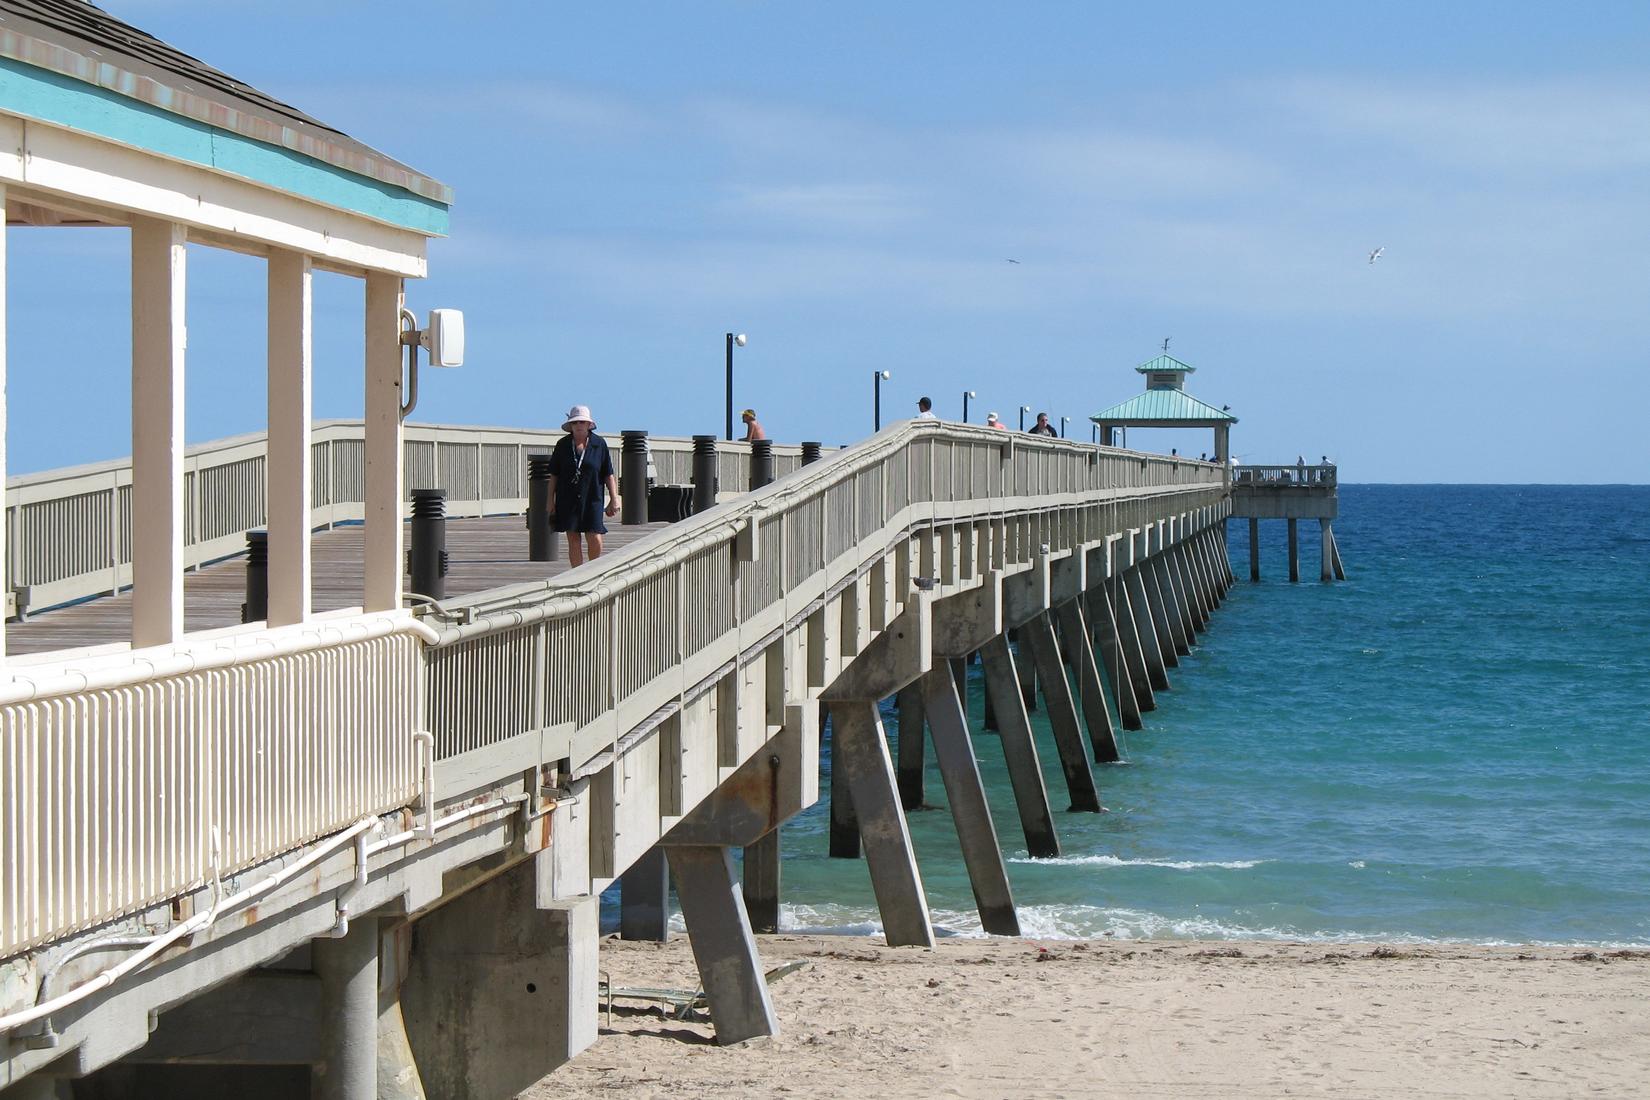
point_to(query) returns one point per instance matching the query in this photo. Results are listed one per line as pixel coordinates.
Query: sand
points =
(1014, 1018)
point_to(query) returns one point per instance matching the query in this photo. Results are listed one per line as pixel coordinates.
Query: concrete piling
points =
(1145, 632)
(1326, 554)
(760, 877)
(1091, 692)
(719, 930)
(960, 772)
(1114, 661)
(348, 969)
(1294, 551)
(1044, 649)
(1019, 749)
(1254, 549)
(844, 830)
(911, 718)
(644, 898)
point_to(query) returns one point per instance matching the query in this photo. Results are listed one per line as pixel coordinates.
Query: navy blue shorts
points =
(583, 517)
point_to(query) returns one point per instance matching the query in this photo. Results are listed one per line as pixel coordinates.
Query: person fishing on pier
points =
(580, 469)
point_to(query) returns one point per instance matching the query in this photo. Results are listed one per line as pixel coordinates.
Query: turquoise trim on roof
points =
(63, 101)
(1165, 405)
(1165, 362)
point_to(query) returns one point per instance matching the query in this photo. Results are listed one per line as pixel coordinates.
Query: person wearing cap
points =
(991, 421)
(580, 468)
(925, 409)
(753, 430)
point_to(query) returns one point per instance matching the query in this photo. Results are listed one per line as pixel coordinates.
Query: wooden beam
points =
(287, 470)
(158, 339)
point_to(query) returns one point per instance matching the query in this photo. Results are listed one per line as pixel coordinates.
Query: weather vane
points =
(1165, 345)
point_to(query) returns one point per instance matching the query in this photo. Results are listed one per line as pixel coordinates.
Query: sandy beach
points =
(1014, 1018)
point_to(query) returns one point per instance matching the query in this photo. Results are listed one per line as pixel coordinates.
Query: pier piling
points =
(1294, 551)
(760, 875)
(1091, 692)
(713, 908)
(1038, 635)
(1025, 773)
(644, 898)
(910, 704)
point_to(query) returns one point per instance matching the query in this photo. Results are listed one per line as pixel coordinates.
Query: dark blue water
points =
(1453, 745)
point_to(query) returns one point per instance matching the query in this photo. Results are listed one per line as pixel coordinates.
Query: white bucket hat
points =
(578, 414)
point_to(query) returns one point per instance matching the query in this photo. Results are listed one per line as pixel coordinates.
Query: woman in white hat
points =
(580, 468)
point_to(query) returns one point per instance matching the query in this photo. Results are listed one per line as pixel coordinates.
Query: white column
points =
(158, 341)
(383, 444)
(287, 471)
(5, 571)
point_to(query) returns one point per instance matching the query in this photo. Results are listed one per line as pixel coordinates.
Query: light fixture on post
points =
(442, 339)
(877, 379)
(1064, 420)
(733, 339)
(1023, 410)
(966, 395)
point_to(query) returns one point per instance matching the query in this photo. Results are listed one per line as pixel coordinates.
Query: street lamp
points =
(1023, 410)
(877, 378)
(733, 338)
(966, 395)
(1064, 420)
(1094, 433)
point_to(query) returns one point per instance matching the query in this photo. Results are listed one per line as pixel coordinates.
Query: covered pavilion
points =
(1166, 404)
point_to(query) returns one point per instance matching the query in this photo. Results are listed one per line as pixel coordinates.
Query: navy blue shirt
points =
(581, 483)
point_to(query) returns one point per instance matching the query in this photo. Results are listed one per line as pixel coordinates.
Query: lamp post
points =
(739, 339)
(1064, 420)
(1023, 410)
(966, 395)
(1094, 433)
(877, 378)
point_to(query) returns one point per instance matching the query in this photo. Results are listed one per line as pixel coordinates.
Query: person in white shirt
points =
(925, 409)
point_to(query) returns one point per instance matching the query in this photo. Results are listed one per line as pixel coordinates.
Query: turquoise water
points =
(1453, 745)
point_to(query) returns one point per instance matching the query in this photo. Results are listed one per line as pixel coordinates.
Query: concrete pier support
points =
(1180, 634)
(760, 875)
(1038, 636)
(499, 991)
(644, 898)
(1025, 772)
(348, 969)
(723, 947)
(1207, 555)
(1026, 672)
(1294, 551)
(1335, 555)
(1225, 546)
(1326, 553)
(960, 771)
(1180, 567)
(1091, 691)
(888, 851)
(909, 701)
(844, 832)
(1114, 660)
(1146, 631)
(1159, 608)
(1254, 549)
(1197, 564)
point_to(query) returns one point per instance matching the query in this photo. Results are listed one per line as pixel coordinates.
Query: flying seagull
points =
(1014, 261)
(1375, 255)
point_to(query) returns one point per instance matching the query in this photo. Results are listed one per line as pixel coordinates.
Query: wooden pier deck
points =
(482, 553)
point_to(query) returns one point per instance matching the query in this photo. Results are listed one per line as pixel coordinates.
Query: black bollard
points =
(256, 607)
(810, 453)
(633, 484)
(761, 462)
(704, 473)
(541, 540)
(429, 542)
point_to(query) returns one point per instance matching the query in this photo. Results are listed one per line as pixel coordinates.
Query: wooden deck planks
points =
(482, 554)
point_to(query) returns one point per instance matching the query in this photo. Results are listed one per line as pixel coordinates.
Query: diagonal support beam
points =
(960, 770)
(724, 949)
(1091, 691)
(1114, 660)
(857, 728)
(1025, 772)
(1038, 636)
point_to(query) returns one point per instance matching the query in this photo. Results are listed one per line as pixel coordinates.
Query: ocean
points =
(1452, 746)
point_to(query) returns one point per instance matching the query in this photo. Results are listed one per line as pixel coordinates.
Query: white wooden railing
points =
(69, 530)
(134, 777)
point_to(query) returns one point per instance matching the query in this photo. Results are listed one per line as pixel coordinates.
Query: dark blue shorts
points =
(584, 517)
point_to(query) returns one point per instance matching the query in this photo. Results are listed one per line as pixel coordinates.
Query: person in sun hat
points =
(991, 421)
(580, 469)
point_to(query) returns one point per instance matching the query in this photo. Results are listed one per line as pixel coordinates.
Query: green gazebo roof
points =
(1163, 363)
(1164, 408)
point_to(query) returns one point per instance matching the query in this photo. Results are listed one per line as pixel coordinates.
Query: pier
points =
(292, 786)
(1291, 493)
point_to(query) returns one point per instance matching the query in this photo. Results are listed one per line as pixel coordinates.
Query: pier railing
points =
(70, 530)
(571, 663)
(130, 779)
(1280, 477)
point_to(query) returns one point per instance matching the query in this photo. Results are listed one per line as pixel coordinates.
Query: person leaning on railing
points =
(580, 468)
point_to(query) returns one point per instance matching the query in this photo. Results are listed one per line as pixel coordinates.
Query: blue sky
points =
(846, 182)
